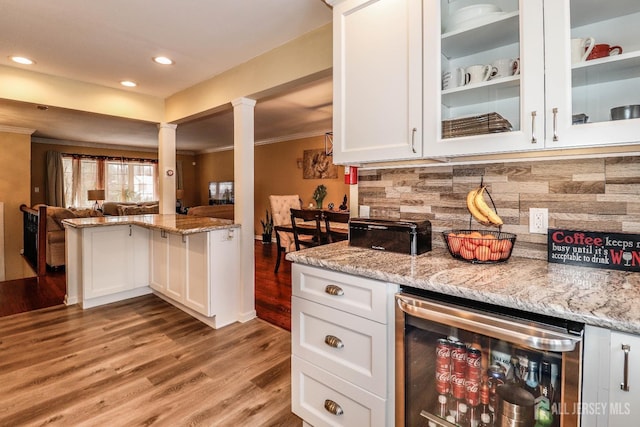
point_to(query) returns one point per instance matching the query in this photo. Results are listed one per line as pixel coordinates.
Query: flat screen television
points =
(221, 192)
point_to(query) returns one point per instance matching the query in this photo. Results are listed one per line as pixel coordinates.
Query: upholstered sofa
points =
(130, 208)
(55, 231)
(213, 211)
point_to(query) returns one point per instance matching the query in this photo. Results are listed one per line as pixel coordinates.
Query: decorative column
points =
(243, 175)
(167, 167)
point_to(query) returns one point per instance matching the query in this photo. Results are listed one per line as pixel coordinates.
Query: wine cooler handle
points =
(334, 290)
(332, 407)
(625, 380)
(413, 139)
(534, 140)
(555, 123)
(531, 336)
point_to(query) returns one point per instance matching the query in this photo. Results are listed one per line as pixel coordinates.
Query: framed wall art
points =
(318, 165)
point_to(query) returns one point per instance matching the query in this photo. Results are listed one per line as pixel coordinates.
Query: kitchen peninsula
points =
(191, 262)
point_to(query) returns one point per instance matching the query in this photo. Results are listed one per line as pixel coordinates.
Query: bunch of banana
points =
(480, 210)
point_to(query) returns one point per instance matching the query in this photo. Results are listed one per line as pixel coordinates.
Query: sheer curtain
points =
(55, 179)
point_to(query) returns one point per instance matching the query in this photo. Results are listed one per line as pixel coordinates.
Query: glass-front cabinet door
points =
(593, 72)
(484, 76)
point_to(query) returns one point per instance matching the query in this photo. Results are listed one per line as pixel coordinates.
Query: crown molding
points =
(270, 140)
(15, 129)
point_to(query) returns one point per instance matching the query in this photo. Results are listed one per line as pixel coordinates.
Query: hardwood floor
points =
(18, 296)
(273, 290)
(143, 361)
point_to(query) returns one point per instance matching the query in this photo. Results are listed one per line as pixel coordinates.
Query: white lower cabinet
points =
(199, 271)
(624, 393)
(343, 348)
(114, 261)
(610, 398)
(169, 277)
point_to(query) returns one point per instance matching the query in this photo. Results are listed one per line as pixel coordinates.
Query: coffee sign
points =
(616, 251)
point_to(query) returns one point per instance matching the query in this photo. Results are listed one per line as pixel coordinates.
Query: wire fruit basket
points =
(479, 246)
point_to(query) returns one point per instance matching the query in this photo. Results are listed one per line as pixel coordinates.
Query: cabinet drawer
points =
(361, 355)
(311, 387)
(356, 295)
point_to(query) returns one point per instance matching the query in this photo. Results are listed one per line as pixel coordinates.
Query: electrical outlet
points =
(538, 220)
(364, 211)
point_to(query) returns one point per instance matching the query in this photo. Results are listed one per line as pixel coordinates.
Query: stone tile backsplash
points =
(592, 194)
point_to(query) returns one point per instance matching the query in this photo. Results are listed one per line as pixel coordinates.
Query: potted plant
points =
(319, 194)
(267, 228)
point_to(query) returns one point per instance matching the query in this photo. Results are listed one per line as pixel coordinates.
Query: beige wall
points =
(39, 155)
(15, 160)
(217, 166)
(276, 172)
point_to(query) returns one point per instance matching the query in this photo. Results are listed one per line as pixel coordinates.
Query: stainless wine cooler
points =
(471, 364)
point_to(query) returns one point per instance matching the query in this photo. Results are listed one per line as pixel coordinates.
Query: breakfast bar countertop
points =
(172, 223)
(605, 298)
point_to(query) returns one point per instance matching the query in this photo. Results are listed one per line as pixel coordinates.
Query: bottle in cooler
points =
(486, 412)
(532, 382)
(543, 413)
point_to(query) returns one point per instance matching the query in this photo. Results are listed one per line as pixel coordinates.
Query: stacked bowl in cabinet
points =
(342, 344)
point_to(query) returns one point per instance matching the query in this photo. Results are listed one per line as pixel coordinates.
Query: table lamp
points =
(97, 195)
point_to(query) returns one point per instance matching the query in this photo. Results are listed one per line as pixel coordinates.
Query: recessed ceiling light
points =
(22, 60)
(128, 83)
(163, 60)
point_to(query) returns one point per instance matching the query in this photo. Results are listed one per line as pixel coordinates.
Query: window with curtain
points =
(124, 180)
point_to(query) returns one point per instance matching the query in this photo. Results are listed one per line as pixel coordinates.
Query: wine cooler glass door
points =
(466, 368)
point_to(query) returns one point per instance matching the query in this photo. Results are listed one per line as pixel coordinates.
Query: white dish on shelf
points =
(473, 22)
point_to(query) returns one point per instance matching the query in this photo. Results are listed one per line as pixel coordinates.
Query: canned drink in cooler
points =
(443, 380)
(472, 391)
(459, 357)
(443, 365)
(458, 388)
(443, 352)
(474, 363)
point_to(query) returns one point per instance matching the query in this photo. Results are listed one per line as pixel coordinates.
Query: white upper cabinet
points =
(486, 76)
(483, 77)
(594, 86)
(377, 62)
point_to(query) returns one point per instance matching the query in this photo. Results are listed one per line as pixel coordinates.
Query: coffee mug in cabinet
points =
(506, 67)
(480, 73)
(455, 78)
(604, 50)
(581, 48)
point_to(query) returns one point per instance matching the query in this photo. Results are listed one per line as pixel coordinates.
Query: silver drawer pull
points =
(334, 290)
(625, 384)
(334, 342)
(333, 407)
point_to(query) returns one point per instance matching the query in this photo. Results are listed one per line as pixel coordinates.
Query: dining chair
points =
(333, 230)
(306, 228)
(281, 213)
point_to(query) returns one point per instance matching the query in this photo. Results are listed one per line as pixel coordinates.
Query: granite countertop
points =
(605, 298)
(172, 223)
